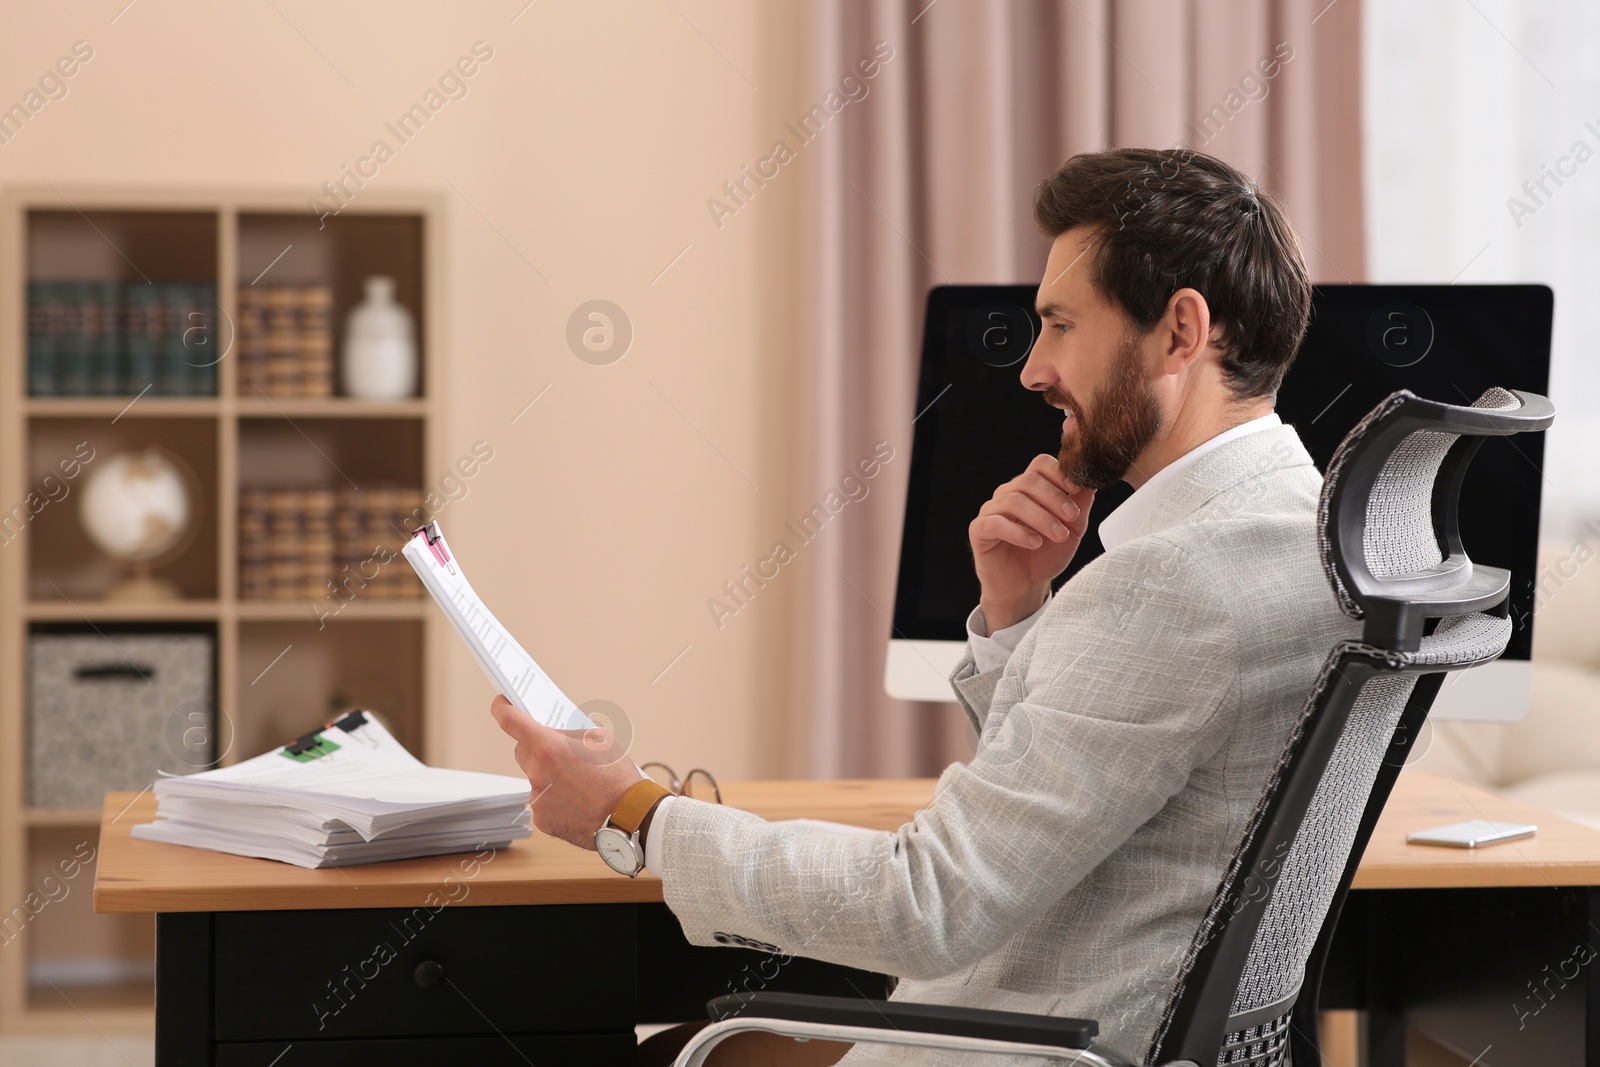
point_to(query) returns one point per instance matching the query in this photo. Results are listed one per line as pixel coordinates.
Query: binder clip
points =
(309, 747)
(435, 541)
(354, 720)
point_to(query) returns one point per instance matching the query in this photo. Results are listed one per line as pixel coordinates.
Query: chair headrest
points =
(1388, 526)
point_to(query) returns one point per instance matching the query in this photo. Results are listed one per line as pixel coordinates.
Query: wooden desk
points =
(253, 955)
(1442, 939)
(1562, 853)
(142, 876)
(1482, 950)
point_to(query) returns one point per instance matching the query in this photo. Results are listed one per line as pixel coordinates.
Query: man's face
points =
(1089, 362)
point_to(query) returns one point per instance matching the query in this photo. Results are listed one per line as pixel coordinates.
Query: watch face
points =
(618, 850)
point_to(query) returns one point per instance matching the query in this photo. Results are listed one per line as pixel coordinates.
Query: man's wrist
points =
(652, 844)
(636, 805)
(649, 820)
(998, 615)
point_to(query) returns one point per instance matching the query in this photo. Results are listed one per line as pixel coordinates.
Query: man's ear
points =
(1187, 326)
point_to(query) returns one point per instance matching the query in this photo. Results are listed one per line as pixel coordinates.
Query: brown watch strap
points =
(636, 803)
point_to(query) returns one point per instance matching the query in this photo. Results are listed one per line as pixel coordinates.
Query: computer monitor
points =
(979, 426)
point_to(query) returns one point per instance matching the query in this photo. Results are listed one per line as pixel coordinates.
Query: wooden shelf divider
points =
(122, 611)
(302, 610)
(121, 407)
(335, 408)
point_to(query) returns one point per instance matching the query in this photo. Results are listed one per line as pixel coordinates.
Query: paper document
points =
(508, 665)
(347, 793)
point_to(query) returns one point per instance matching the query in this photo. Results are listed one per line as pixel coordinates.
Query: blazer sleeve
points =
(974, 691)
(1115, 705)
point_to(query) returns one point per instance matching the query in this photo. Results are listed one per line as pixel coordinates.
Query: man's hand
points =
(578, 776)
(1023, 537)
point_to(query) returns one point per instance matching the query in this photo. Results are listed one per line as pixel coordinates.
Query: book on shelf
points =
(101, 337)
(325, 545)
(285, 338)
(344, 794)
(285, 508)
(316, 542)
(254, 560)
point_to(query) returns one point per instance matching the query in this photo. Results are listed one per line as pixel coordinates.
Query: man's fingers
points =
(994, 528)
(1084, 499)
(509, 718)
(1026, 511)
(1050, 495)
(1049, 467)
(533, 737)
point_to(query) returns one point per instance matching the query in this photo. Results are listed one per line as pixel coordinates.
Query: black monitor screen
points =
(978, 426)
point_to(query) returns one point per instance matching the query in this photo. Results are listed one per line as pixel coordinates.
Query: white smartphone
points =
(1472, 834)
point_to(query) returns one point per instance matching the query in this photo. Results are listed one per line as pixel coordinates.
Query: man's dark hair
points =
(1168, 219)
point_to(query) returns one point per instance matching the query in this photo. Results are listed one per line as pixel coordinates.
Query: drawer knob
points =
(429, 974)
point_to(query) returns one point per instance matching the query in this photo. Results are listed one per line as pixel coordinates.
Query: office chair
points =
(1247, 989)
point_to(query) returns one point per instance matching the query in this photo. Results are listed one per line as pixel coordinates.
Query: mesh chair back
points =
(1390, 544)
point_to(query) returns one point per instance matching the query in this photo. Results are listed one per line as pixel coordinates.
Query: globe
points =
(136, 508)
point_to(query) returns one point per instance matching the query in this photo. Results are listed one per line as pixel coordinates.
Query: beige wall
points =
(592, 140)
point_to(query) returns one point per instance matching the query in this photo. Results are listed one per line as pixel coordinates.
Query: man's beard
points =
(1121, 420)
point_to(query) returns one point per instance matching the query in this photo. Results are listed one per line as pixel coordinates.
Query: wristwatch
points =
(618, 841)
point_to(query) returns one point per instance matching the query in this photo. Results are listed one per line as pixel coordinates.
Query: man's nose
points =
(1037, 373)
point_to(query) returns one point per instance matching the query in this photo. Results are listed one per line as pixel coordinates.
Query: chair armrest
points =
(909, 1018)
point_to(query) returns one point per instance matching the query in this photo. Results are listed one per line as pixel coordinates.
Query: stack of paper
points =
(347, 794)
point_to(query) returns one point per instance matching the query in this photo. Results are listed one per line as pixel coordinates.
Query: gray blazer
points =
(1066, 867)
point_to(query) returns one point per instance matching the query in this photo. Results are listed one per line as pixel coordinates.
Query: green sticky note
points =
(319, 748)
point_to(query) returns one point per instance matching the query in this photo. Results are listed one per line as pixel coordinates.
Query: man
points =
(1128, 723)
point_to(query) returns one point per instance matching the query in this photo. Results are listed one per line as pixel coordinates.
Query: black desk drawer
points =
(307, 975)
(564, 1050)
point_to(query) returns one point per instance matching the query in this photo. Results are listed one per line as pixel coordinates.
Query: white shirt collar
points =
(1124, 523)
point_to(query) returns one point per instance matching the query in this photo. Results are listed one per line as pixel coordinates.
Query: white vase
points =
(380, 346)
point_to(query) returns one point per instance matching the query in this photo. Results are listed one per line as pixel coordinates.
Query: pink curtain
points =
(928, 179)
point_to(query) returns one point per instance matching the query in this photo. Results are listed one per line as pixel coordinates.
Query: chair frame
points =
(1396, 611)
